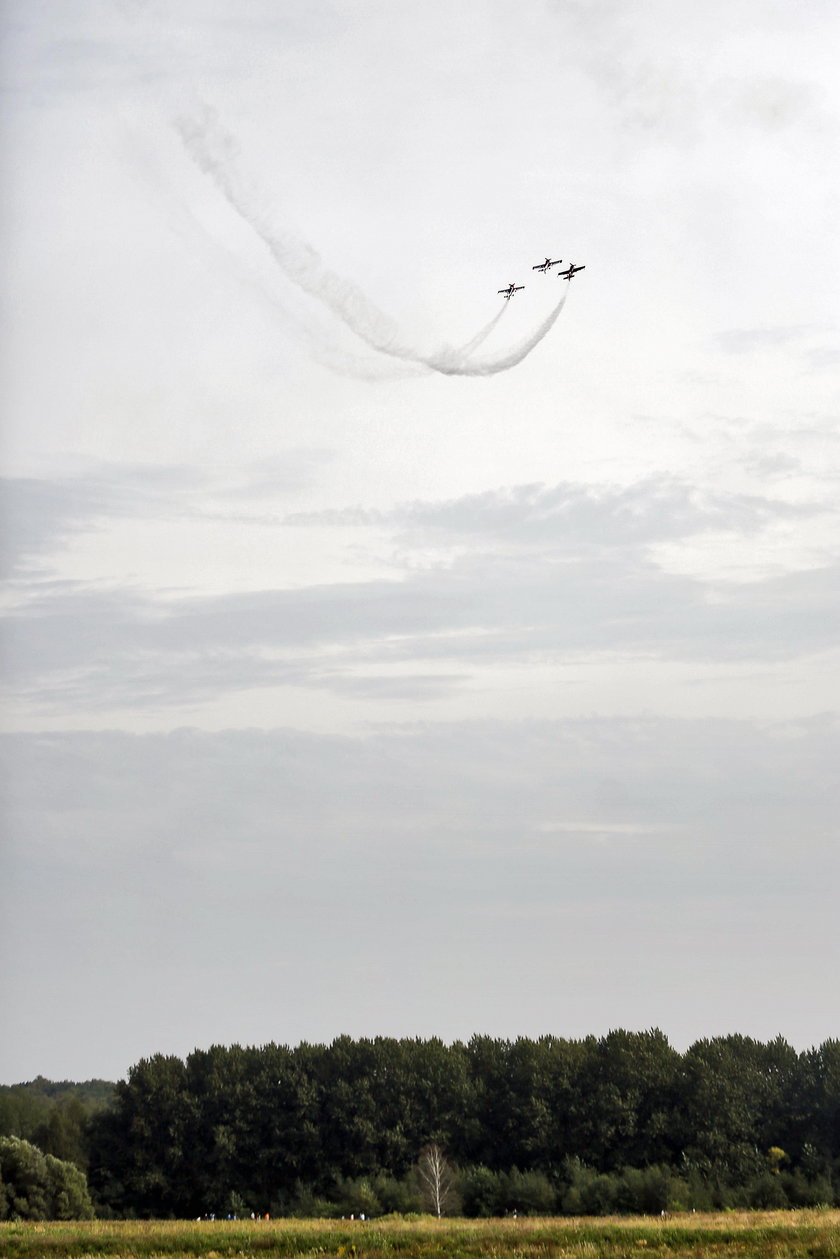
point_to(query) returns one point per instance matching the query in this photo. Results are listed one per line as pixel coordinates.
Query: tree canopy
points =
(610, 1120)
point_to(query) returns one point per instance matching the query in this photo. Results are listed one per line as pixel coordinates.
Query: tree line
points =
(281, 1129)
(622, 1122)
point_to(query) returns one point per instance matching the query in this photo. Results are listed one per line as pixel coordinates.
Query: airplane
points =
(571, 270)
(512, 288)
(546, 266)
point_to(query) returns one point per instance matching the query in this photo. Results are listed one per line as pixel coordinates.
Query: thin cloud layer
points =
(550, 573)
(42, 514)
(657, 509)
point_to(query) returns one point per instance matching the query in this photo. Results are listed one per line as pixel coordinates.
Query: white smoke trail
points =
(482, 336)
(463, 352)
(502, 362)
(214, 152)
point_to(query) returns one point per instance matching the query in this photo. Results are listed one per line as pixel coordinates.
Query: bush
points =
(36, 1186)
(645, 1190)
(803, 1192)
(396, 1197)
(767, 1192)
(588, 1192)
(356, 1196)
(482, 1192)
(529, 1193)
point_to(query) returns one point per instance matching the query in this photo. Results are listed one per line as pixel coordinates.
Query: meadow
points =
(812, 1233)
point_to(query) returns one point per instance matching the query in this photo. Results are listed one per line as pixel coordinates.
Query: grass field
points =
(815, 1234)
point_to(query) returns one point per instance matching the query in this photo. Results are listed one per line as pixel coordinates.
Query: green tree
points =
(623, 1100)
(732, 1096)
(276, 1124)
(143, 1148)
(36, 1186)
(820, 1105)
(489, 1072)
(64, 1134)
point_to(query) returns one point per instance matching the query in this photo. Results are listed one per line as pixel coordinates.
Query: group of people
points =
(210, 1216)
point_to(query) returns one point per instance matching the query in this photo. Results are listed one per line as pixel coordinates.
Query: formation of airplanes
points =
(545, 267)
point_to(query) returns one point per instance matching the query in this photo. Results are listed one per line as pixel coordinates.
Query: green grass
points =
(745, 1235)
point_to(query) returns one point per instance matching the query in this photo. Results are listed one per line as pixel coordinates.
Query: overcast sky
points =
(382, 657)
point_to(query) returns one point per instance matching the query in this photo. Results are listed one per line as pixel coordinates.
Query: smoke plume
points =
(214, 152)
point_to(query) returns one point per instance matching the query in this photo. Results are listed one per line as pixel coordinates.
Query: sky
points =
(380, 656)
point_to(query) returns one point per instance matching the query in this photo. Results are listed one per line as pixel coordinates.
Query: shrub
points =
(482, 1192)
(356, 1196)
(529, 1193)
(36, 1186)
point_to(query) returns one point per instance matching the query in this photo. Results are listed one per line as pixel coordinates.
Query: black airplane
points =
(571, 270)
(546, 266)
(508, 293)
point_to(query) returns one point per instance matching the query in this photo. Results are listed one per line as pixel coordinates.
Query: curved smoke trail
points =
(213, 151)
(482, 336)
(501, 362)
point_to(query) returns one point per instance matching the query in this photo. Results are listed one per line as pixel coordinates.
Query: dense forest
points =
(54, 1115)
(618, 1123)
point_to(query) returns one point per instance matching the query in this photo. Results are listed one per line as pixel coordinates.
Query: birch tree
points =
(437, 1179)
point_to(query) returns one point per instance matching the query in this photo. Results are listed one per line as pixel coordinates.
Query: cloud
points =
(574, 516)
(41, 515)
(749, 340)
(529, 574)
(417, 687)
(77, 646)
